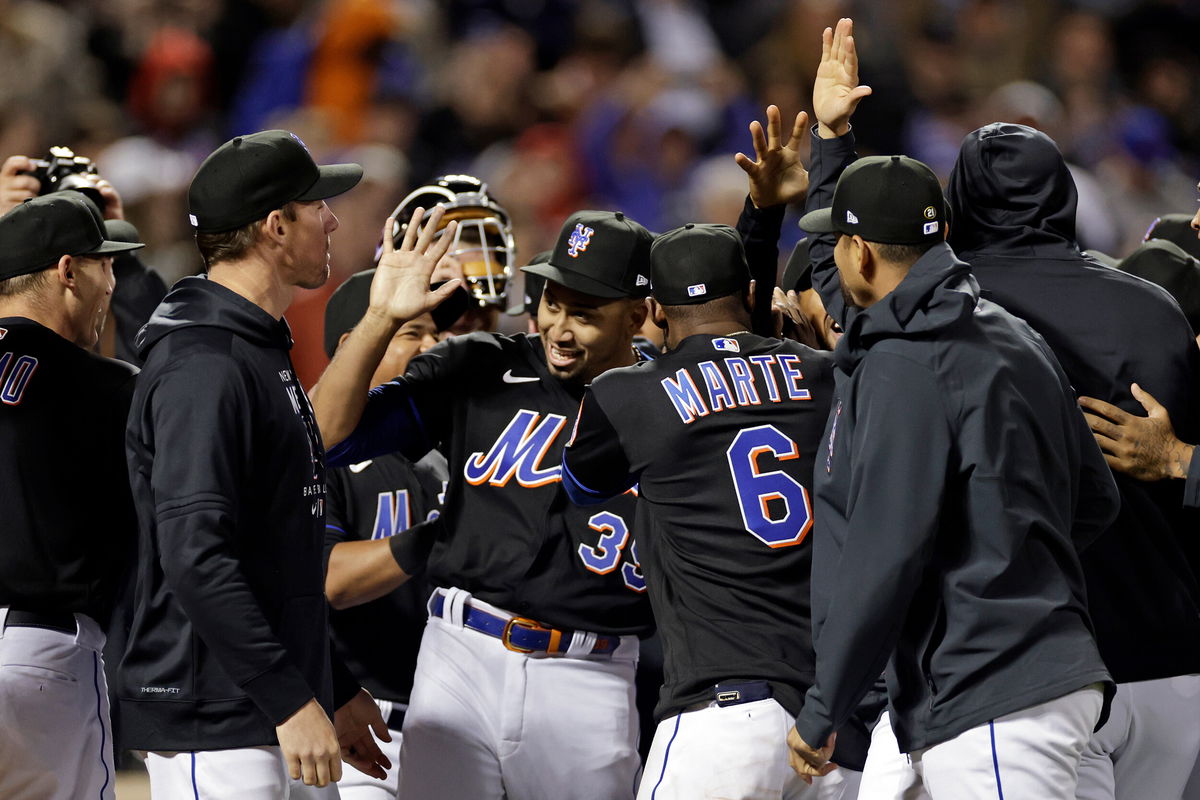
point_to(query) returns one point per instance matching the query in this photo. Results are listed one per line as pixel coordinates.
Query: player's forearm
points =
(360, 572)
(340, 395)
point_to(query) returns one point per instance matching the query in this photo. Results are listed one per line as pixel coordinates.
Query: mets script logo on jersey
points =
(518, 452)
(581, 237)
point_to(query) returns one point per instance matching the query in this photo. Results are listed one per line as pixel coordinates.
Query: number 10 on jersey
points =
(775, 507)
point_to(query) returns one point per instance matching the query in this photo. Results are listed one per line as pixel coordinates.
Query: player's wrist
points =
(1180, 460)
(835, 129)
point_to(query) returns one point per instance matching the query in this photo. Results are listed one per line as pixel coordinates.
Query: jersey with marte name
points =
(720, 435)
(377, 499)
(510, 536)
(69, 525)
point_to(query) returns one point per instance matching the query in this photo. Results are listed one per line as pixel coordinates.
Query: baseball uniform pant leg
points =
(888, 773)
(244, 773)
(54, 712)
(737, 752)
(1031, 753)
(485, 723)
(1149, 745)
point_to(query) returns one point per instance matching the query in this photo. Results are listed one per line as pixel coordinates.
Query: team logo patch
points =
(192, 219)
(930, 227)
(930, 212)
(853, 220)
(581, 237)
(697, 289)
(728, 345)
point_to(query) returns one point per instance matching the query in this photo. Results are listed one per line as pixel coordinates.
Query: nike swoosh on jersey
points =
(360, 466)
(508, 377)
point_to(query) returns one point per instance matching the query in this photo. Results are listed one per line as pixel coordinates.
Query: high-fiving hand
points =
(400, 288)
(776, 175)
(836, 92)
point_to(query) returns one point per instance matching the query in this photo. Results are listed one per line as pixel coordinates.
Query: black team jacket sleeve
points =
(760, 229)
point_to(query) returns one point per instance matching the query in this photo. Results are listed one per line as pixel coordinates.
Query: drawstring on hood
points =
(1010, 190)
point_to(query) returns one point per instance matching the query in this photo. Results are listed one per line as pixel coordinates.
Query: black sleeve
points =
(410, 414)
(595, 466)
(759, 229)
(345, 685)
(411, 546)
(1098, 501)
(829, 158)
(201, 429)
(1191, 487)
(899, 461)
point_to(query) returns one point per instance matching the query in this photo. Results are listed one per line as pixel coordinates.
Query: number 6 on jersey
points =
(776, 508)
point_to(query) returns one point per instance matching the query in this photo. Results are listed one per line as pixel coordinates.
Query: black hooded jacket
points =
(229, 634)
(1012, 203)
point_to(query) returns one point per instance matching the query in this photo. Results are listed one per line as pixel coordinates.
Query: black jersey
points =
(720, 435)
(377, 499)
(510, 536)
(69, 525)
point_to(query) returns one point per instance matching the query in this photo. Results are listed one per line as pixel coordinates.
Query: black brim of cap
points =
(113, 248)
(819, 221)
(335, 179)
(449, 310)
(576, 281)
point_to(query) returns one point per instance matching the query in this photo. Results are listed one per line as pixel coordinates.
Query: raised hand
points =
(776, 175)
(400, 288)
(836, 92)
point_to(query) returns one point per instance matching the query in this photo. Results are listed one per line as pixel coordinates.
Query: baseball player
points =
(227, 679)
(724, 535)
(62, 412)
(524, 682)
(958, 480)
(379, 610)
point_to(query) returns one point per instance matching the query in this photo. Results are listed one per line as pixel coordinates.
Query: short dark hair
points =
(904, 254)
(232, 245)
(22, 284)
(731, 305)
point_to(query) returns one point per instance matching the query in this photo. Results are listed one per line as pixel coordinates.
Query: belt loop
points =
(453, 607)
(3, 619)
(581, 645)
(88, 633)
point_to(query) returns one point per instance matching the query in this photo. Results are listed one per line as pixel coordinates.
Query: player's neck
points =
(677, 332)
(44, 314)
(256, 280)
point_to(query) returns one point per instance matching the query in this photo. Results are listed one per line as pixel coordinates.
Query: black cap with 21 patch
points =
(248, 177)
(697, 263)
(886, 199)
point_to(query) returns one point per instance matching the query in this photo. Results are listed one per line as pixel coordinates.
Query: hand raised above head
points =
(400, 288)
(776, 175)
(836, 91)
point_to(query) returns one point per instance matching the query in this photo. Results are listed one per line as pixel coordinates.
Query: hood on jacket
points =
(1010, 190)
(199, 302)
(937, 293)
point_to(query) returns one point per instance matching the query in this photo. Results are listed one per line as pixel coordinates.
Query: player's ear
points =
(748, 298)
(65, 270)
(657, 315)
(638, 309)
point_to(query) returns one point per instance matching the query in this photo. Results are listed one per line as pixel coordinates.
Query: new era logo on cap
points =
(853, 220)
(581, 237)
(642, 280)
(696, 290)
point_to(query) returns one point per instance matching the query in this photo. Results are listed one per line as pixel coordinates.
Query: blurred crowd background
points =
(635, 105)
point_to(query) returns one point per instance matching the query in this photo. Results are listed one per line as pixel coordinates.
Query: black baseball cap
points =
(348, 303)
(697, 263)
(1168, 265)
(797, 275)
(533, 288)
(886, 199)
(601, 253)
(248, 177)
(41, 230)
(1176, 228)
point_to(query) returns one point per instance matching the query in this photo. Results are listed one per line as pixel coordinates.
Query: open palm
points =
(400, 288)
(836, 91)
(777, 174)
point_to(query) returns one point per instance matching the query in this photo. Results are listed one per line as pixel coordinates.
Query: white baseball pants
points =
(486, 723)
(1032, 753)
(56, 739)
(245, 773)
(1149, 744)
(734, 752)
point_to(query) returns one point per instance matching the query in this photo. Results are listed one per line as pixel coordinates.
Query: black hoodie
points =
(229, 634)
(957, 481)
(1012, 204)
